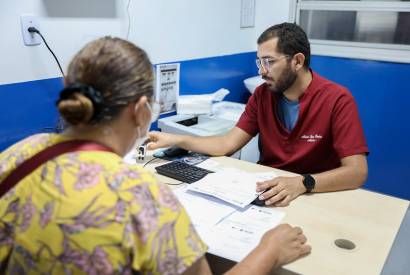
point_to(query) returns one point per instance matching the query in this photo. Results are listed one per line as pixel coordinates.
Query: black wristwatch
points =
(309, 182)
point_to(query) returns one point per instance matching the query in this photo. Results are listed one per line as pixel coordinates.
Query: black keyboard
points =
(182, 171)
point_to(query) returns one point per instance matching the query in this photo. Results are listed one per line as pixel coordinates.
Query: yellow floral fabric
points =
(88, 212)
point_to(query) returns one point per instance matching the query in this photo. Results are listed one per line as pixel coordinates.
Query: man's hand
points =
(282, 190)
(161, 140)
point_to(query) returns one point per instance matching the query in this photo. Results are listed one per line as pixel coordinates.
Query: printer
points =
(224, 117)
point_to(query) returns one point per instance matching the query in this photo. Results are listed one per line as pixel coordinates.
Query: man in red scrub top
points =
(306, 123)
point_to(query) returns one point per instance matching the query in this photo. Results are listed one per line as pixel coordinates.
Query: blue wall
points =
(380, 89)
(29, 107)
(207, 75)
(210, 74)
(382, 93)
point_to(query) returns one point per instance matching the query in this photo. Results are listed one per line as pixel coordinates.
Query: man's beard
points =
(286, 79)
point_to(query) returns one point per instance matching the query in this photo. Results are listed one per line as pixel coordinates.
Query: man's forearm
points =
(214, 146)
(226, 144)
(350, 176)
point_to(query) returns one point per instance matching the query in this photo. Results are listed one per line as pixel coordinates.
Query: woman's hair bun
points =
(77, 109)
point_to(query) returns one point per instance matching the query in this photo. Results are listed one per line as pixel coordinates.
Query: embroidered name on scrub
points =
(311, 138)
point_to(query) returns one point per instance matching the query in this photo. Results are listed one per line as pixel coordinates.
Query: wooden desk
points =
(369, 220)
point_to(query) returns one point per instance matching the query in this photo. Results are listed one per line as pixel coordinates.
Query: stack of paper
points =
(229, 232)
(199, 104)
(204, 210)
(231, 185)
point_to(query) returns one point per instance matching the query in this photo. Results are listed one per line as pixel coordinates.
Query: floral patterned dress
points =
(90, 213)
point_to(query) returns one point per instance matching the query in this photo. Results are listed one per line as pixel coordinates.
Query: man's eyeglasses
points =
(267, 63)
(154, 108)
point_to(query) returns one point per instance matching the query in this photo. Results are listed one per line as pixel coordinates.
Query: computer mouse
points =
(258, 201)
(175, 151)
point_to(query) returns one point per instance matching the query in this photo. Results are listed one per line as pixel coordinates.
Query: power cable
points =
(33, 29)
(145, 164)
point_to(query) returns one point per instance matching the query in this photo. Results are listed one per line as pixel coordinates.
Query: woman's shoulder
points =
(138, 179)
(117, 174)
(145, 185)
(33, 142)
(24, 149)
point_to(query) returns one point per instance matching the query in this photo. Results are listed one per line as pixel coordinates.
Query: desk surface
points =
(367, 219)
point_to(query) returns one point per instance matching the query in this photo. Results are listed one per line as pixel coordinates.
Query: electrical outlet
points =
(30, 39)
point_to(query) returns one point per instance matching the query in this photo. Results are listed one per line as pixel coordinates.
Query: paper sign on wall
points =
(167, 86)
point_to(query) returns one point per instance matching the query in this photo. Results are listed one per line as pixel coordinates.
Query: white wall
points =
(270, 12)
(65, 35)
(186, 29)
(167, 30)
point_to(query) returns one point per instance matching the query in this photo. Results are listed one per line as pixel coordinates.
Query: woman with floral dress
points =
(88, 212)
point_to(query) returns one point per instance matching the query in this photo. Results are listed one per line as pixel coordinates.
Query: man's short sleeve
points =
(249, 118)
(165, 240)
(347, 131)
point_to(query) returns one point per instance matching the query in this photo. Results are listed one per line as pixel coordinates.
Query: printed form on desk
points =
(230, 231)
(238, 234)
(231, 185)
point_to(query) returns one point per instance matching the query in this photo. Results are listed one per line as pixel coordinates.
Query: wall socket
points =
(30, 39)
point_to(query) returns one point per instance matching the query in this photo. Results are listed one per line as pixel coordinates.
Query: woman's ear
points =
(139, 111)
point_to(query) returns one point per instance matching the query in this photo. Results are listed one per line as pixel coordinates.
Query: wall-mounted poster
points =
(167, 86)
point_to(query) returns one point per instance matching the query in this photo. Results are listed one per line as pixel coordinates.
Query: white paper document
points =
(228, 231)
(204, 210)
(237, 235)
(231, 185)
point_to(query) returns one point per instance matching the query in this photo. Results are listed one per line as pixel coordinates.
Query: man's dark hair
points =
(291, 40)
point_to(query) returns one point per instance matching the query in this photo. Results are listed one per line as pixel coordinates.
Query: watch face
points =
(308, 182)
